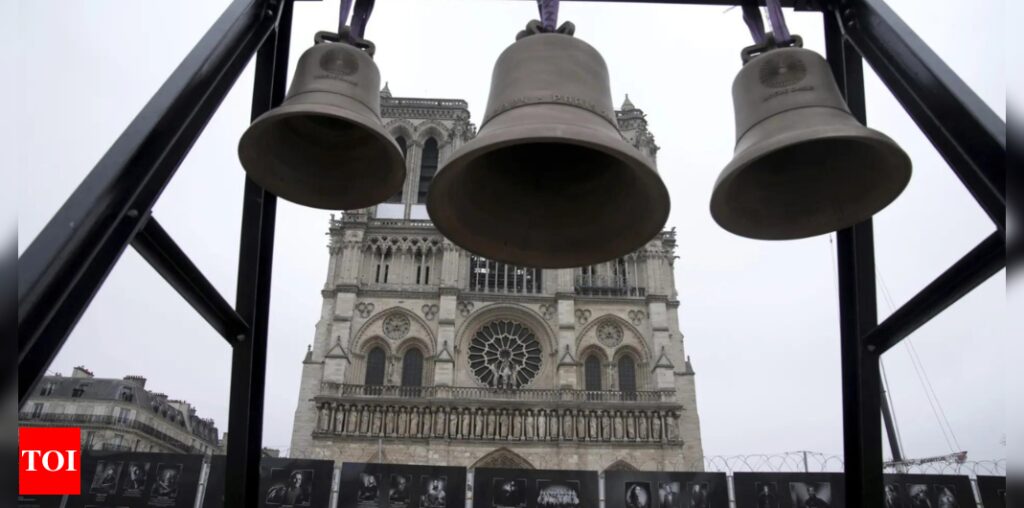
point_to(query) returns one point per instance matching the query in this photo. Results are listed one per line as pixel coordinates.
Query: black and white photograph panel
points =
(399, 490)
(767, 494)
(133, 484)
(290, 487)
(369, 488)
(945, 496)
(638, 495)
(810, 494)
(433, 492)
(105, 479)
(697, 494)
(165, 484)
(893, 496)
(993, 491)
(508, 493)
(563, 494)
(917, 495)
(670, 495)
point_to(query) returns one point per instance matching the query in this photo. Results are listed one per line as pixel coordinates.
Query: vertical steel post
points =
(858, 311)
(255, 260)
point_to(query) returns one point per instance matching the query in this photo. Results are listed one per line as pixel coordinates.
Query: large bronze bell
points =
(803, 165)
(549, 182)
(326, 146)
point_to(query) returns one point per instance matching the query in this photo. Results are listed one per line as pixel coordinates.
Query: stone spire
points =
(627, 105)
(386, 92)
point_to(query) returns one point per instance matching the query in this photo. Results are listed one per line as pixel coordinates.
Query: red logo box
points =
(49, 461)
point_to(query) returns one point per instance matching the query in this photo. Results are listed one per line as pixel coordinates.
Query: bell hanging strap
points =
(548, 14)
(359, 19)
(752, 16)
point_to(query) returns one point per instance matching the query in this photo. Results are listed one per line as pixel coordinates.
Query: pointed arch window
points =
(404, 146)
(592, 373)
(627, 374)
(428, 166)
(412, 368)
(375, 367)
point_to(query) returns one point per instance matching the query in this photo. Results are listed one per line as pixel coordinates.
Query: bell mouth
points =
(548, 203)
(322, 156)
(807, 188)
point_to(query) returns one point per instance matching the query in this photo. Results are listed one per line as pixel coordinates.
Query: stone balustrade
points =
(374, 420)
(336, 390)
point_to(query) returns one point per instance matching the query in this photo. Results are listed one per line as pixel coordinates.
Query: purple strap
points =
(361, 17)
(548, 13)
(778, 21)
(752, 16)
(346, 8)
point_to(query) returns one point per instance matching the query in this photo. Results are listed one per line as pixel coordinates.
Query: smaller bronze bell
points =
(803, 165)
(326, 146)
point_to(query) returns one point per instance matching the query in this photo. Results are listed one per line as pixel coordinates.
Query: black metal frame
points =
(65, 265)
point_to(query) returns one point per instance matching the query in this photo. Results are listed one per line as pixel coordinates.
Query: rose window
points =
(504, 354)
(609, 333)
(396, 326)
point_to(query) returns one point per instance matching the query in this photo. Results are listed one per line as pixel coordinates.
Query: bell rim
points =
(549, 133)
(395, 167)
(733, 223)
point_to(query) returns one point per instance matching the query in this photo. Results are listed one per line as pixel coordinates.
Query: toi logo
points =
(49, 461)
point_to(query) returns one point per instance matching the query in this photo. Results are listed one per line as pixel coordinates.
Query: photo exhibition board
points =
(789, 490)
(993, 491)
(133, 479)
(532, 488)
(401, 486)
(928, 491)
(638, 489)
(284, 483)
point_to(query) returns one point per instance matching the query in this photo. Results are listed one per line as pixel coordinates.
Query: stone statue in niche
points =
(428, 421)
(542, 425)
(478, 424)
(324, 421)
(439, 422)
(414, 422)
(403, 422)
(672, 426)
(630, 425)
(453, 425)
(606, 426)
(593, 433)
(643, 426)
(528, 425)
(465, 423)
(377, 423)
(503, 430)
(517, 425)
(364, 420)
(617, 427)
(656, 426)
(390, 421)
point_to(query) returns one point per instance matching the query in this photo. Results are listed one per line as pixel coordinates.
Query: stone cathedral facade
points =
(427, 354)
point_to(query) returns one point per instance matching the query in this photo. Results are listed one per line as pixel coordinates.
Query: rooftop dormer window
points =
(46, 390)
(79, 390)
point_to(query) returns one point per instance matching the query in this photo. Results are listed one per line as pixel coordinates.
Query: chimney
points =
(136, 380)
(81, 371)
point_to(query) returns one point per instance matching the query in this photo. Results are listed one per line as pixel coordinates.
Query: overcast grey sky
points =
(760, 318)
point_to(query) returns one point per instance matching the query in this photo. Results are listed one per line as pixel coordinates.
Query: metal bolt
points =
(240, 337)
(133, 213)
(872, 348)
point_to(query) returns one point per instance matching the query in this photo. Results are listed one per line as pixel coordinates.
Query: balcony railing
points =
(84, 420)
(606, 285)
(328, 389)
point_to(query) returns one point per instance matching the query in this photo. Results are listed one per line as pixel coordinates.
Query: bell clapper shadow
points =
(803, 164)
(549, 181)
(325, 146)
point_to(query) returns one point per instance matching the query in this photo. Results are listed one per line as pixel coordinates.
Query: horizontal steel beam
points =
(63, 268)
(982, 262)
(965, 131)
(158, 248)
